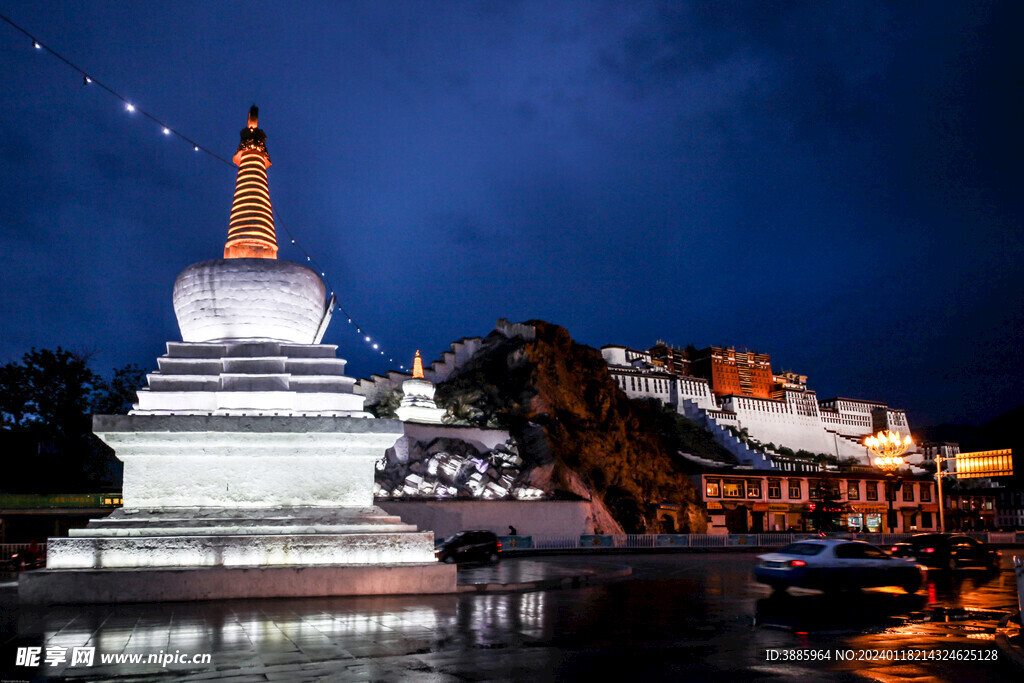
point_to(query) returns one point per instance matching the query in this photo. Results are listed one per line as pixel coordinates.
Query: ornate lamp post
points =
(888, 448)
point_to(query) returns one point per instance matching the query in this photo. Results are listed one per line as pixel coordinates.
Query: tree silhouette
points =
(46, 402)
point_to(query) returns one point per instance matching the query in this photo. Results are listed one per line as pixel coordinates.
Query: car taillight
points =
(499, 545)
(797, 563)
(892, 549)
(929, 550)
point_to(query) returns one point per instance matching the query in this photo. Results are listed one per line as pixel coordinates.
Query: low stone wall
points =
(447, 517)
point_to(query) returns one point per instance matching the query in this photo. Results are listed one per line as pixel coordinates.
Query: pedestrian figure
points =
(512, 531)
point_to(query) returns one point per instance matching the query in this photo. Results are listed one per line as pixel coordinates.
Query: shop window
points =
(774, 489)
(732, 489)
(871, 490)
(713, 490)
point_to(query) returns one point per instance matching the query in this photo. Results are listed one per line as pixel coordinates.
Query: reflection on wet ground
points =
(522, 570)
(678, 616)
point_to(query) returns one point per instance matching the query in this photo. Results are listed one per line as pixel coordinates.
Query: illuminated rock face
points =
(250, 298)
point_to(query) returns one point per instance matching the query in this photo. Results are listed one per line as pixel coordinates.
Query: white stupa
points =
(418, 403)
(248, 460)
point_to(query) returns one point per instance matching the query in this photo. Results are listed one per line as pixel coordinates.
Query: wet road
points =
(679, 616)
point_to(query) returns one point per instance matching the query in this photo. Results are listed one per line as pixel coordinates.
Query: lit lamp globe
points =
(888, 448)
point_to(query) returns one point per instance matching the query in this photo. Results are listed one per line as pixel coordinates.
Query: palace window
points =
(732, 489)
(713, 490)
(774, 489)
(853, 490)
(871, 490)
(794, 489)
(753, 489)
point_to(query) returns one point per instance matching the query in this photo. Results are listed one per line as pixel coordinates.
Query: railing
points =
(8, 549)
(599, 542)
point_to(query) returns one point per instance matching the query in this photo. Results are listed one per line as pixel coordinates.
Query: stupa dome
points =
(250, 298)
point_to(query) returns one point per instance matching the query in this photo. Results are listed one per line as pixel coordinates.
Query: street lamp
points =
(888, 448)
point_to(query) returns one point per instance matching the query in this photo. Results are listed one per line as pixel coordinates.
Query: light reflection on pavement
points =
(680, 616)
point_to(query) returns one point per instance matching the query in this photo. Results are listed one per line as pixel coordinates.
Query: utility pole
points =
(942, 508)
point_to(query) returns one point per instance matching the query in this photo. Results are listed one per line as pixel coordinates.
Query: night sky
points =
(835, 184)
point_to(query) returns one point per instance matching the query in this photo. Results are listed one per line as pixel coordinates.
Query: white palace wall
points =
(791, 422)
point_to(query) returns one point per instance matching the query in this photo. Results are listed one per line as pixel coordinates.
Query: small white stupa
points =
(418, 403)
(248, 460)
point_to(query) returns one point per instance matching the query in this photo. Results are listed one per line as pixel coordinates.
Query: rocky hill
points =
(578, 433)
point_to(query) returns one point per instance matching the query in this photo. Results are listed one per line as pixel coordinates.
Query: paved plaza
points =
(676, 616)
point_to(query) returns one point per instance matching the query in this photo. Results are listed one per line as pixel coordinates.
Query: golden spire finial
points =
(417, 366)
(251, 227)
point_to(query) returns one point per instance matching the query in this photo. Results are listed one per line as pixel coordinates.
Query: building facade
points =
(740, 501)
(732, 372)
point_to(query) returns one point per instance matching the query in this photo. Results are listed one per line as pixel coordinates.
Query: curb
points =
(1013, 652)
(546, 584)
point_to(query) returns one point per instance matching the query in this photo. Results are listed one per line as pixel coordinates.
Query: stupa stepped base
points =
(82, 586)
(250, 377)
(249, 521)
(248, 550)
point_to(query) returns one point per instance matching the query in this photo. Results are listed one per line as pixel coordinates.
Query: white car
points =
(834, 565)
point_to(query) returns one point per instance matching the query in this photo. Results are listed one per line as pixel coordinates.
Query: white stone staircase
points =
(741, 451)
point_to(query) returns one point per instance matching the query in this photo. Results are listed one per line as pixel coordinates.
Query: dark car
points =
(469, 546)
(834, 565)
(948, 552)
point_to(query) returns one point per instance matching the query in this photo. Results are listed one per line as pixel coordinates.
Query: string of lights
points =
(88, 80)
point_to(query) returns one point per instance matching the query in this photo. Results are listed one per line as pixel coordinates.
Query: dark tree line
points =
(47, 400)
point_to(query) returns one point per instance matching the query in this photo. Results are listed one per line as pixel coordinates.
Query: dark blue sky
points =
(836, 184)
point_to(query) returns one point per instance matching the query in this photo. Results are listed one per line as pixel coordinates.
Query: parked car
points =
(469, 546)
(836, 564)
(948, 552)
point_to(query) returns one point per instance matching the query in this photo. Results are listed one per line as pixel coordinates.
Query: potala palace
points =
(735, 395)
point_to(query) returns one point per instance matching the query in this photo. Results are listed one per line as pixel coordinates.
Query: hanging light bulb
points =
(36, 45)
(129, 106)
(86, 80)
(195, 148)
(167, 131)
(367, 339)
